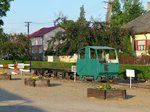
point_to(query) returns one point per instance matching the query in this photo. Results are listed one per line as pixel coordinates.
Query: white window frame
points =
(141, 45)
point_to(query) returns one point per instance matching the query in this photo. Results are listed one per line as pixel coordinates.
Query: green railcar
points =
(97, 62)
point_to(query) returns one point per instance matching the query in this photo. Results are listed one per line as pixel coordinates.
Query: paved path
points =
(66, 96)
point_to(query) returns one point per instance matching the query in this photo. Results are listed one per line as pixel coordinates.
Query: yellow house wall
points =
(142, 37)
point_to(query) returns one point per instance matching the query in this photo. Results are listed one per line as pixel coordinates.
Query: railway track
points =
(68, 75)
(94, 83)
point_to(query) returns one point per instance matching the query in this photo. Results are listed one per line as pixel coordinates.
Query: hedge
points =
(61, 65)
(141, 71)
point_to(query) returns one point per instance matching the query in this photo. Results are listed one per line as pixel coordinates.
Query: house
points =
(40, 38)
(141, 30)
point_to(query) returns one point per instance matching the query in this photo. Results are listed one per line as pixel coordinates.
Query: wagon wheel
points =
(114, 79)
(63, 75)
(99, 79)
(84, 78)
(55, 74)
(67, 76)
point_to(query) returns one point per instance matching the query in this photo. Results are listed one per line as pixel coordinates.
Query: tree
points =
(82, 20)
(4, 7)
(15, 46)
(21, 46)
(117, 15)
(75, 33)
(81, 33)
(131, 9)
(4, 38)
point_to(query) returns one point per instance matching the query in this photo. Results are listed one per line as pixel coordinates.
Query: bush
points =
(6, 61)
(62, 65)
(141, 71)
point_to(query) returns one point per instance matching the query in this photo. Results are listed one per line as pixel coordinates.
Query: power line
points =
(42, 22)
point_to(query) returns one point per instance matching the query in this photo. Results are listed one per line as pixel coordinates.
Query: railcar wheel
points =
(84, 78)
(104, 79)
(99, 79)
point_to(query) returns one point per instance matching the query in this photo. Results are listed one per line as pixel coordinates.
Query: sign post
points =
(130, 74)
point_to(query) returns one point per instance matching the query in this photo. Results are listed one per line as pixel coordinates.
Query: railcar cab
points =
(97, 62)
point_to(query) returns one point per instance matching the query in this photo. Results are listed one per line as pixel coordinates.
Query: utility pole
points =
(28, 27)
(28, 32)
(109, 11)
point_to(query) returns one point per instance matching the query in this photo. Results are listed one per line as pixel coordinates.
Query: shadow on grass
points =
(10, 102)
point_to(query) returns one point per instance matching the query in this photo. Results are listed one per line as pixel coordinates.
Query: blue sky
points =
(42, 13)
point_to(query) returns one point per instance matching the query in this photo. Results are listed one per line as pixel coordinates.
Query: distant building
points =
(40, 38)
(141, 31)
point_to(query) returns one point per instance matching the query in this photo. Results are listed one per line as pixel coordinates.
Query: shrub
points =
(141, 71)
(104, 87)
(3, 73)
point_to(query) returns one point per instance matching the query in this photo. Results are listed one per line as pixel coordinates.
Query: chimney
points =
(148, 6)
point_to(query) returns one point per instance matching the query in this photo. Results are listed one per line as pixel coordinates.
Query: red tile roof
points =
(42, 31)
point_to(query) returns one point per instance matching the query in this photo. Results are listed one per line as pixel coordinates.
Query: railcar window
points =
(100, 54)
(112, 54)
(93, 53)
(82, 53)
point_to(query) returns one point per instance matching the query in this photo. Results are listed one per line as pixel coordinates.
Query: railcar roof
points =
(98, 47)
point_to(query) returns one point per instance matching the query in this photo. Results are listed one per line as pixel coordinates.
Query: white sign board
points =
(130, 73)
(26, 64)
(73, 69)
(11, 66)
(20, 65)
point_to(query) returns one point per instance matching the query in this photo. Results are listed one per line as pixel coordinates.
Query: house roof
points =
(140, 25)
(42, 31)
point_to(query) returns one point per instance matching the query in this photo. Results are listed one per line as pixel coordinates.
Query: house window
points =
(33, 51)
(141, 45)
(36, 42)
(40, 49)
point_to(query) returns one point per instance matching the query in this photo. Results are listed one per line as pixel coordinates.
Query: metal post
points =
(74, 74)
(130, 82)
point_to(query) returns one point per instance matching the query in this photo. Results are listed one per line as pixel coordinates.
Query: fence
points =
(143, 60)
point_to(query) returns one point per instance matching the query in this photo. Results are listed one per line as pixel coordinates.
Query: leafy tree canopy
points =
(130, 10)
(15, 46)
(81, 33)
(4, 7)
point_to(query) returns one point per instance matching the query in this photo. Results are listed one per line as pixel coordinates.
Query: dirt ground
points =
(67, 96)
